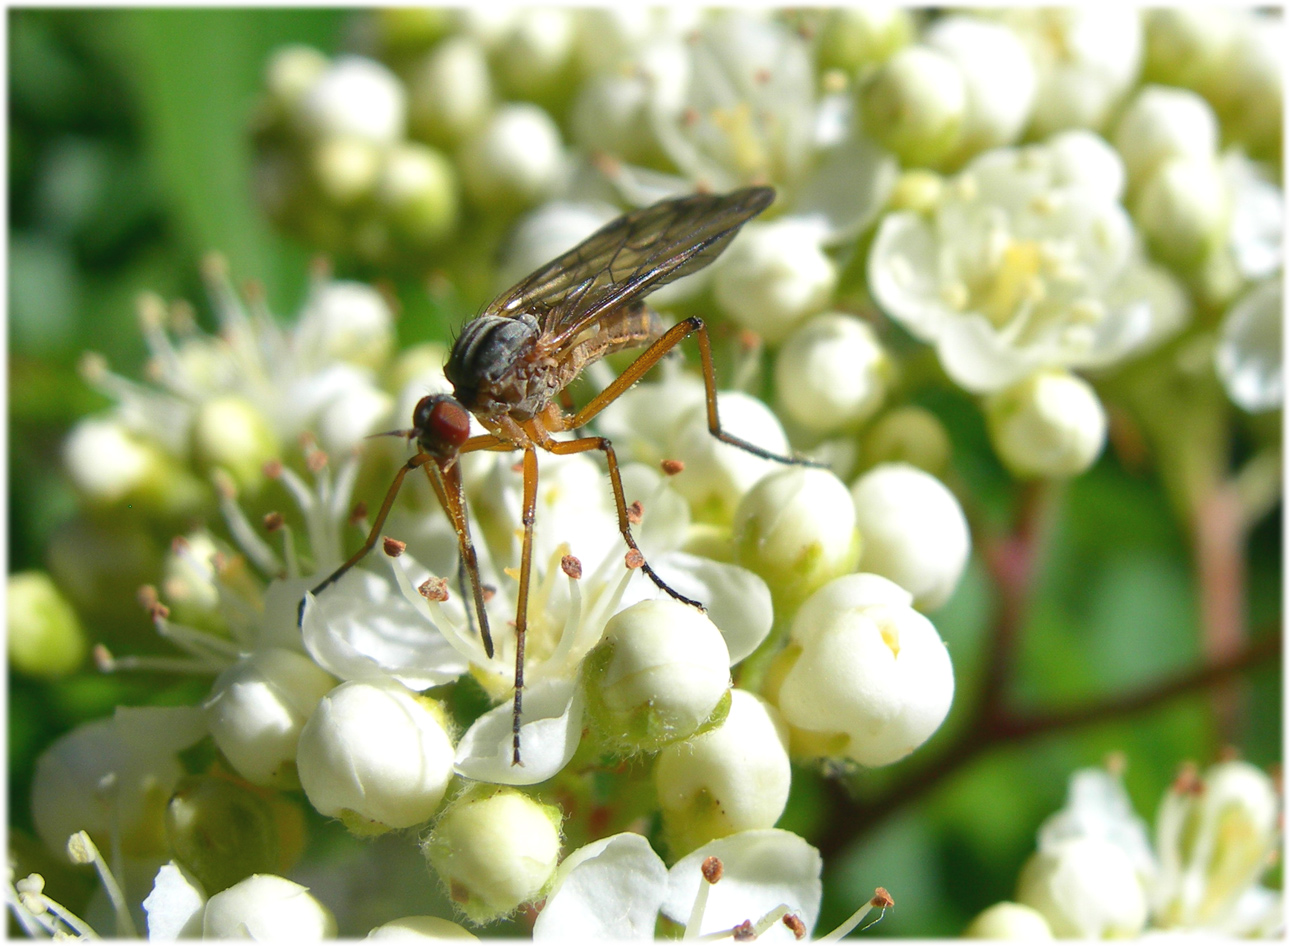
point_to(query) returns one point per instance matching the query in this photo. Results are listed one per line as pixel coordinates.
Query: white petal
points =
(850, 185)
(609, 889)
(979, 359)
(1248, 356)
(1097, 806)
(550, 730)
(361, 628)
(159, 729)
(762, 869)
(903, 276)
(174, 907)
(738, 601)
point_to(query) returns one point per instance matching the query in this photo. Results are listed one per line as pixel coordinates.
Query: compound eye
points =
(442, 425)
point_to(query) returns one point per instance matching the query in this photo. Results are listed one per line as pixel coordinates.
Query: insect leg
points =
(650, 357)
(447, 486)
(421, 459)
(522, 606)
(602, 444)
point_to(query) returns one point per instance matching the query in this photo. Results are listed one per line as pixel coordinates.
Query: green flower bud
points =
(912, 435)
(418, 190)
(220, 832)
(231, 434)
(494, 849)
(1184, 209)
(914, 105)
(661, 671)
(514, 160)
(291, 72)
(851, 37)
(450, 92)
(45, 637)
(345, 169)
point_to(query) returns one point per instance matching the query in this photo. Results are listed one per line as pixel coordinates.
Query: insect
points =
(511, 361)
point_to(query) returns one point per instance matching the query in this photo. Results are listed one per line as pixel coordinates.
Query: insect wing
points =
(628, 258)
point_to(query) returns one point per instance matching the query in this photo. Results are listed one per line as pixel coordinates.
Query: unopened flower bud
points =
(1009, 920)
(267, 907)
(291, 73)
(257, 708)
(417, 189)
(1187, 46)
(914, 105)
(1161, 123)
(659, 673)
(375, 755)
(189, 587)
(832, 373)
(773, 276)
(733, 778)
(347, 321)
(1184, 208)
(349, 418)
(865, 678)
(515, 159)
(910, 434)
(545, 232)
(532, 55)
(220, 831)
(230, 433)
(403, 30)
(425, 928)
(107, 463)
(912, 530)
(1086, 888)
(1250, 89)
(1049, 425)
(494, 849)
(854, 36)
(450, 92)
(355, 97)
(611, 114)
(796, 528)
(345, 169)
(45, 639)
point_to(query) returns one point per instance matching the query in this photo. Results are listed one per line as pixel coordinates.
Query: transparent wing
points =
(629, 257)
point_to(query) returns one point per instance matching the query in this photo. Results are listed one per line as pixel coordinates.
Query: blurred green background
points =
(129, 159)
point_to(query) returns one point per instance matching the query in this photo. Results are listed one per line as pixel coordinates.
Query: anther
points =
(635, 512)
(794, 923)
(272, 469)
(712, 869)
(434, 589)
(273, 521)
(672, 467)
(745, 932)
(881, 899)
(571, 566)
(634, 558)
(393, 547)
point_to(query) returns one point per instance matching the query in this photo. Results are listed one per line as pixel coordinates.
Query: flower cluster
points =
(1003, 187)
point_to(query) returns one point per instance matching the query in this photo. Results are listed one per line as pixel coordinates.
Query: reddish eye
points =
(442, 425)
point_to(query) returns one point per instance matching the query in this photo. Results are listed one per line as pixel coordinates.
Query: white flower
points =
(1250, 86)
(1188, 46)
(867, 677)
(267, 907)
(257, 708)
(1248, 356)
(615, 888)
(1026, 262)
(175, 904)
(912, 531)
(494, 849)
(1050, 424)
(515, 158)
(1086, 59)
(356, 97)
(1257, 219)
(375, 755)
(732, 778)
(832, 373)
(1085, 888)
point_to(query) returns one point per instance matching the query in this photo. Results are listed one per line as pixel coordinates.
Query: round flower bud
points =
(611, 114)
(106, 462)
(1248, 355)
(716, 474)
(912, 530)
(291, 73)
(910, 434)
(347, 321)
(429, 928)
(796, 529)
(532, 55)
(345, 169)
(230, 433)
(355, 97)
(267, 907)
(257, 708)
(45, 638)
(352, 416)
(1049, 425)
(450, 91)
(865, 679)
(1184, 208)
(832, 373)
(189, 587)
(1084, 160)
(914, 105)
(1250, 88)
(515, 158)
(773, 276)
(402, 31)
(997, 73)
(1187, 46)
(1086, 888)
(545, 232)
(494, 849)
(375, 755)
(1009, 920)
(1161, 123)
(851, 37)
(418, 191)
(220, 831)
(733, 778)
(659, 673)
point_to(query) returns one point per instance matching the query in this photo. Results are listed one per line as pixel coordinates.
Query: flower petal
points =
(550, 730)
(903, 274)
(609, 889)
(174, 907)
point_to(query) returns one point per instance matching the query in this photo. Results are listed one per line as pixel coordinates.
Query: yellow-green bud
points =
(345, 169)
(854, 36)
(915, 104)
(910, 434)
(220, 832)
(418, 190)
(45, 637)
(231, 434)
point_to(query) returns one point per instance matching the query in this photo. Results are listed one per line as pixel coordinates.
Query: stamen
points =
(244, 534)
(82, 851)
(881, 899)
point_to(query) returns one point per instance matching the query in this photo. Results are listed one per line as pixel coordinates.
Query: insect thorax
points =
(494, 367)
